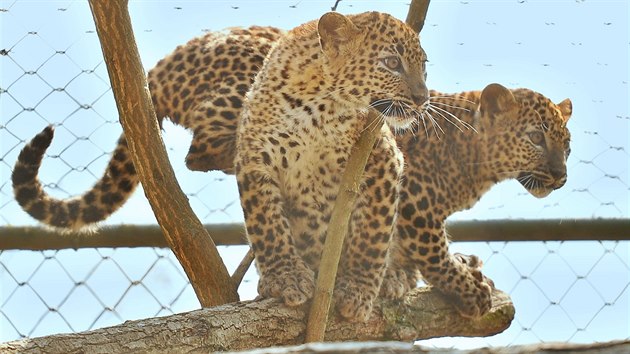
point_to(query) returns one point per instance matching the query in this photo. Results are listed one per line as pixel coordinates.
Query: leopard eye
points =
(393, 63)
(537, 138)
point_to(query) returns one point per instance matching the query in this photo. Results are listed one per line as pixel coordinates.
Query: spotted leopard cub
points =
(506, 134)
(303, 114)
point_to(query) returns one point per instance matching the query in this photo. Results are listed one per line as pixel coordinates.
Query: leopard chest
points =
(309, 173)
(309, 170)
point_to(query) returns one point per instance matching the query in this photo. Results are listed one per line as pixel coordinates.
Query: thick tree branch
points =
(183, 231)
(613, 347)
(417, 14)
(256, 324)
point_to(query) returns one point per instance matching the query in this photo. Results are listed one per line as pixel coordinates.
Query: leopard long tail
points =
(78, 213)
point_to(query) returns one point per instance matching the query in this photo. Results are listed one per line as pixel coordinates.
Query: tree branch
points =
(183, 231)
(349, 189)
(613, 347)
(256, 324)
(417, 14)
(346, 199)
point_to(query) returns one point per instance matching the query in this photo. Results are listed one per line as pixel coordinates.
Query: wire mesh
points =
(52, 72)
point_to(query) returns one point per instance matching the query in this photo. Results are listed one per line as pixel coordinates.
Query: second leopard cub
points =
(304, 112)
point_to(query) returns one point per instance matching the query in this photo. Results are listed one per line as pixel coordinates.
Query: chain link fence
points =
(52, 72)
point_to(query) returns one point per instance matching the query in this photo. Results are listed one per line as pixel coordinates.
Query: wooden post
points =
(346, 198)
(184, 233)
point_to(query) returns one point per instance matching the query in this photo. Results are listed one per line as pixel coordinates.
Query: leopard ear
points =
(495, 99)
(335, 32)
(566, 108)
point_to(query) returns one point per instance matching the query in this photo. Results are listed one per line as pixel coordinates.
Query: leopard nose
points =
(419, 100)
(557, 172)
(419, 93)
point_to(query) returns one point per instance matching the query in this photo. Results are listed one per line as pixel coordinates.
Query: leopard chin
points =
(400, 123)
(536, 186)
(395, 115)
(540, 192)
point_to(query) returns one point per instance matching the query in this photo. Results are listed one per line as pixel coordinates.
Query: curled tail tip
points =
(32, 153)
(44, 138)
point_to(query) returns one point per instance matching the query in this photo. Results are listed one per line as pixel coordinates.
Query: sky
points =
(563, 49)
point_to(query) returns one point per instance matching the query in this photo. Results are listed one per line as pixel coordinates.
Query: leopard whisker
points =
(379, 119)
(426, 113)
(421, 115)
(454, 98)
(435, 125)
(463, 123)
(433, 109)
(439, 103)
(424, 123)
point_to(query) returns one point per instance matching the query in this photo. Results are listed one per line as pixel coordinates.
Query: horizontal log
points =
(258, 324)
(37, 238)
(613, 347)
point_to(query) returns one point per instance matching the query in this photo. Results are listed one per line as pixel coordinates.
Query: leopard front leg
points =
(283, 274)
(213, 123)
(400, 277)
(458, 277)
(371, 228)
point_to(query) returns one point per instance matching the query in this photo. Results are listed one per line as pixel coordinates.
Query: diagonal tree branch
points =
(182, 230)
(346, 198)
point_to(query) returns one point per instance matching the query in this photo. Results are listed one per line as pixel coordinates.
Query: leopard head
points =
(528, 134)
(376, 61)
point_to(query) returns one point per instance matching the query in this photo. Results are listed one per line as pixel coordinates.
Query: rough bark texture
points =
(184, 233)
(402, 348)
(417, 14)
(259, 324)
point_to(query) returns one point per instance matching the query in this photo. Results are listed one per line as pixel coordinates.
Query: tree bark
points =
(349, 189)
(417, 14)
(613, 347)
(184, 233)
(257, 324)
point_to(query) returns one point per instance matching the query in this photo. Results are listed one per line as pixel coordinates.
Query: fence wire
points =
(52, 72)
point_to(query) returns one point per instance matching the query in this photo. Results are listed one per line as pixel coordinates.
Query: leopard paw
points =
(354, 302)
(477, 302)
(205, 161)
(294, 287)
(397, 283)
(474, 264)
(471, 260)
(474, 298)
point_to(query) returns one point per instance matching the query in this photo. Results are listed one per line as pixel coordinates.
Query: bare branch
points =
(417, 14)
(183, 231)
(257, 324)
(346, 199)
(242, 268)
(338, 227)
